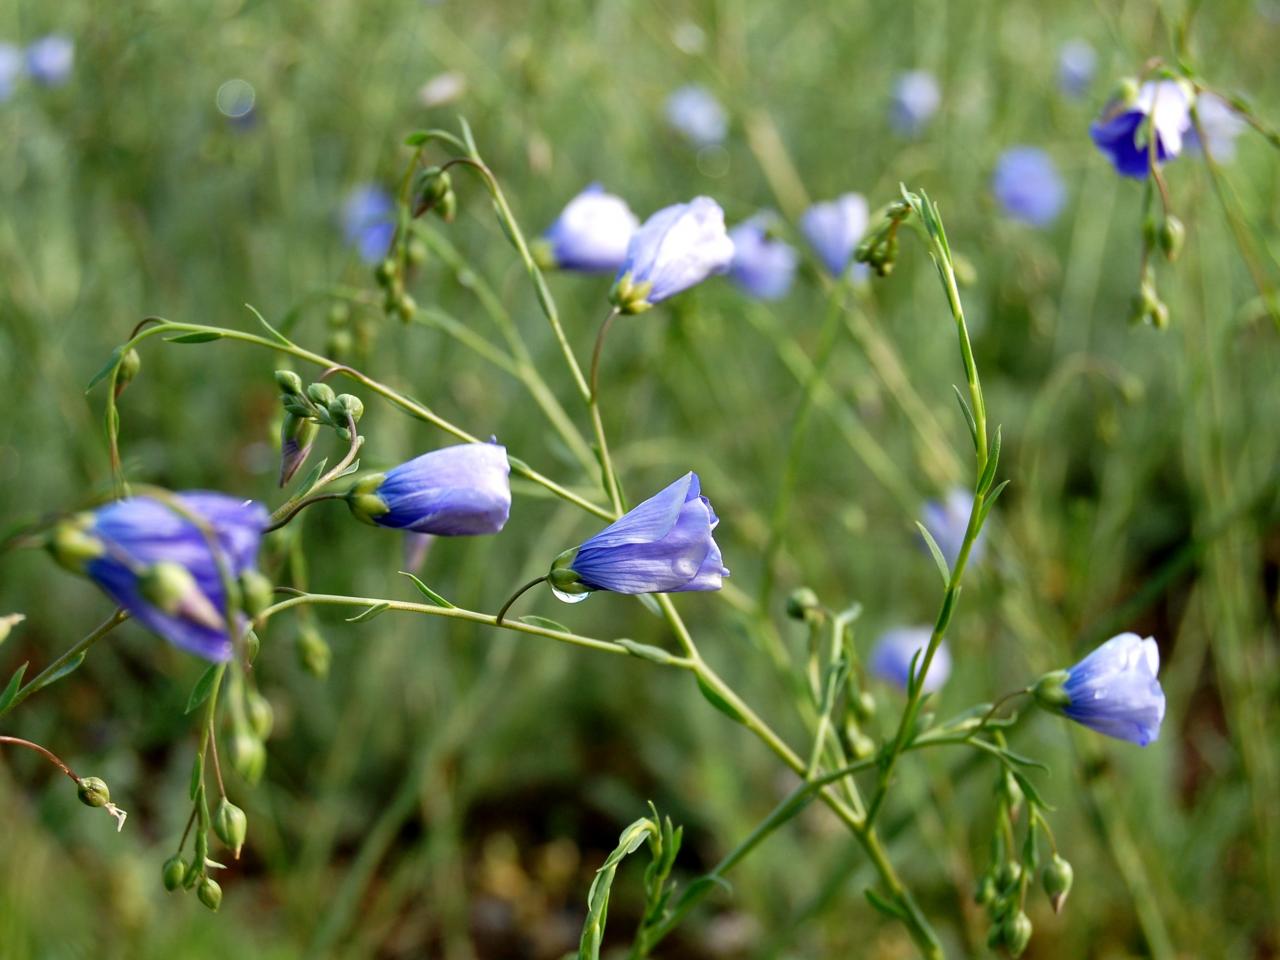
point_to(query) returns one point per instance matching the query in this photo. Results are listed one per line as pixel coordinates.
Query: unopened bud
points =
(130, 364)
(257, 591)
(1172, 236)
(1057, 878)
(93, 792)
(297, 435)
(864, 706)
(230, 824)
(1010, 791)
(248, 757)
(313, 653)
(447, 208)
(290, 383)
(430, 189)
(344, 407)
(802, 603)
(985, 892)
(1017, 933)
(416, 251)
(321, 394)
(261, 716)
(386, 272)
(405, 307)
(173, 872)
(1007, 875)
(210, 893)
(73, 546)
(252, 644)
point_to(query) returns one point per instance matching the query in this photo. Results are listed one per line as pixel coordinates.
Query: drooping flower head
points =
(1221, 125)
(915, 100)
(664, 545)
(1113, 690)
(153, 560)
(676, 248)
(591, 234)
(696, 114)
(1076, 63)
(892, 654)
(458, 491)
(763, 265)
(834, 229)
(947, 520)
(369, 221)
(10, 69)
(49, 59)
(1027, 184)
(1142, 125)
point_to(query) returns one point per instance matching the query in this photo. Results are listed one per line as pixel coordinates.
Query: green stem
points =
(53, 670)
(497, 621)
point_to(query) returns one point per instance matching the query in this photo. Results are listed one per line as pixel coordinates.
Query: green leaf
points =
(201, 337)
(885, 905)
(598, 896)
(417, 138)
(545, 623)
(427, 592)
(518, 465)
(968, 415)
(71, 666)
(1030, 792)
(310, 481)
(989, 472)
(11, 690)
(369, 613)
(105, 372)
(647, 652)
(275, 334)
(197, 777)
(991, 501)
(943, 570)
(200, 692)
(719, 702)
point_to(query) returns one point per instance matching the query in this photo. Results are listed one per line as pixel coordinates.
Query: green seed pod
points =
(1172, 236)
(251, 646)
(339, 345)
(313, 652)
(1007, 875)
(405, 307)
(416, 251)
(1057, 879)
(210, 894)
(174, 872)
(1017, 933)
(447, 208)
(985, 891)
(261, 716)
(345, 405)
(257, 590)
(864, 706)
(321, 394)
(93, 792)
(386, 272)
(130, 364)
(248, 757)
(802, 603)
(289, 382)
(231, 825)
(339, 314)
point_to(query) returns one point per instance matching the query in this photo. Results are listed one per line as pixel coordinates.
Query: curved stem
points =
(291, 510)
(516, 596)
(609, 479)
(43, 751)
(58, 667)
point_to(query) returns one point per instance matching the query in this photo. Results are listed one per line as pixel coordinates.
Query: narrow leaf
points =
(105, 372)
(427, 592)
(943, 570)
(544, 623)
(309, 483)
(989, 472)
(369, 613)
(417, 138)
(719, 702)
(69, 667)
(646, 652)
(200, 692)
(885, 905)
(201, 337)
(197, 777)
(991, 501)
(272, 331)
(968, 415)
(11, 690)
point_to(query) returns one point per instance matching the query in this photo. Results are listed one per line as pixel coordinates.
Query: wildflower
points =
(834, 228)
(591, 234)
(1027, 184)
(891, 657)
(664, 545)
(457, 491)
(947, 520)
(763, 265)
(1221, 125)
(1113, 690)
(368, 222)
(1076, 63)
(1159, 109)
(50, 58)
(915, 100)
(696, 115)
(10, 69)
(158, 565)
(676, 248)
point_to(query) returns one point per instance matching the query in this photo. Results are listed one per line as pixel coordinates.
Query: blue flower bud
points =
(463, 490)
(763, 265)
(891, 657)
(591, 235)
(50, 59)
(915, 100)
(158, 565)
(677, 248)
(947, 520)
(368, 222)
(696, 114)
(1159, 109)
(664, 545)
(1076, 63)
(834, 228)
(1113, 690)
(1027, 185)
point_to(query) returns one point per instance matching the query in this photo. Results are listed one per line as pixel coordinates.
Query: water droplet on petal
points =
(569, 597)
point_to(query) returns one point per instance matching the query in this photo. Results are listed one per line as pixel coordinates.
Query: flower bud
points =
(257, 591)
(210, 893)
(230, 824)
(261, 716)
(290, 383)
(73, 546)
(404, 306)
(129, 366)
(313, 653)
(1007, 875)
(174, 872)
(433, 184)
(93, 792)
(386, 272)
(346, 406)
(447, 208)
(251, 646)
(297, 435)
(1017, 933)
(248, 757)
(1057, 878)
(321, 394)
(802, 604)
(1010, 792)
(416, 251)
(339, 345)
(861, 746)
(985, 892)
(172, 589)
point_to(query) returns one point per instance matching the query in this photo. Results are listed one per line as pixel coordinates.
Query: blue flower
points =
(458, 491)
(157, 564)
(697, 116)
(591, 234)
(1027, 184)
(1124, 131)
(677, 248)
(891, 657)
(369, 221)
(1076, 63)
(664, 545)
(50, 58)
(1221, 124)
(10, 69)
(1113, 690)
(915, 100)
(763, 265)
(834, 229)
(947, 520)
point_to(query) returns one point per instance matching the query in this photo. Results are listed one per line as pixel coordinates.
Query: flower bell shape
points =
(1221, 125)
(158, 564)
(834, 229)
(50, 59)
(591, 234)
(1159, 109)
(1027, 185)
(763, 265)
(1076, 64)
(696, 114)
(369, 221)
(915, 100)
(676, 248)
(664, 545)
(1113, 690)
(947, 520)
(458, 491)
(892, 654)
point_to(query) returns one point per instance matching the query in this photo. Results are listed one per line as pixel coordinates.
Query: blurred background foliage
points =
(448, 792)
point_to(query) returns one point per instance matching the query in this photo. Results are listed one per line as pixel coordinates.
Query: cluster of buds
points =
(395, 301)
(230, 825)
(879, 248)
(1168, 238)
(305, 411)
(433, 192)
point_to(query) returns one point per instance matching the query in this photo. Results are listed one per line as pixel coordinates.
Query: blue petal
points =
(1117, 137)
(463, 490)
(650, 520)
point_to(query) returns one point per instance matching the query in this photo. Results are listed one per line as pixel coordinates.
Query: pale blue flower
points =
(947, 520)
(1027, 184)
(834, 229)
(915, 100)
(1114, 690)
(49, 59)
(1221, 124)
(591, 234)
(763, 265)
(676, 248)
(696, 114)
(892, 654)
(1124, 131)
(1076, 64)
(369, 221)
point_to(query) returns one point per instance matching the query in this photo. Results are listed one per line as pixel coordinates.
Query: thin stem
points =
(213, 755)
(53, 670)
(290, 510)
(497, 621)
(43, 751)
(609, 479)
